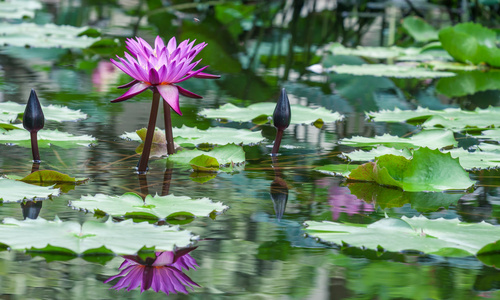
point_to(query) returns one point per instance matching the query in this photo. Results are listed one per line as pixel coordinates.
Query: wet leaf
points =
(336, 170)
(381, 70)
(124, 238)
(204, 163)
(428, 170)
(192, 136)
(426, 138)
(11, 110)
(44, 36)
(49, 176)
(46, 138)
(157, 207)
(471, 43)
(360, 155)
(300, 114)
(225, 157)
(419, 30)
(469, 83)
(16, 191)
(417, 233)
(19, 9)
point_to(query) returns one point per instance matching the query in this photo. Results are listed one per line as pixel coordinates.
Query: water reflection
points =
(164, 272)
(342, 201)
(278, 190)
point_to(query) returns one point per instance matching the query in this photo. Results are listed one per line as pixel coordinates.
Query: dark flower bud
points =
(33, 119)
(282, 113)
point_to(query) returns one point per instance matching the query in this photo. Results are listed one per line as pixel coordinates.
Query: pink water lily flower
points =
(163, 273)
(160, 68)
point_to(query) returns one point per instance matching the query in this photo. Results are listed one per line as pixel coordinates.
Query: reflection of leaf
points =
(14, 191)
(398, 71)
(468, 83)
(73, 237)
(51, 112)
(427, 138)
(47, 138)
(419, 30)
(428, 170)
(388, 197)
(490, 254)
(44, 36)
(471, 42)
(192, 136)
(417, 233)
(157, 207)
(300, 114)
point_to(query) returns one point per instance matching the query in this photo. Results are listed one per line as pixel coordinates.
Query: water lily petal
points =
(127, 85)
(154, 79)
(187, 93)
(172, 45)
(134, 90)
(170, 94)
(205, 75)
(190, 75)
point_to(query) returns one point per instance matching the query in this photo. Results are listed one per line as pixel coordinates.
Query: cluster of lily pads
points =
(426, 169)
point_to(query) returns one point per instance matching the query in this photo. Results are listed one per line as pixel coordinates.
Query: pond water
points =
(257, 248)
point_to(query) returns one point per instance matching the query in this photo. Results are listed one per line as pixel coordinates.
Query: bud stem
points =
(168, 128)
(277, 142)
(34, 147)
(143, 162)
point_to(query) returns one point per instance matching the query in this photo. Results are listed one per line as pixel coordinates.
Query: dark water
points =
(257, 248)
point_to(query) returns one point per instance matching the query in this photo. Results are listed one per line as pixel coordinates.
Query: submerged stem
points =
(143, 162)
(168, 128)
(277, 142)
(34, 147)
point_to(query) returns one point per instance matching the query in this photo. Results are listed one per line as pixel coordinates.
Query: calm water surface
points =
(257, 248)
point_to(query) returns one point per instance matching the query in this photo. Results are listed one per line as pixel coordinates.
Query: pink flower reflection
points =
(342, 201)
(163, 273)
(104, 76)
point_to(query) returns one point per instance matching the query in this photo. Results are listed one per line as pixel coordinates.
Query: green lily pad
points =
(428, 170)
(426, 138)
(11, 111)
(300, 114)
(204, 163)
(336, 170)
(418, 233)
(419, 30)
(452, 118)
(493, 134)
(373, 52)
(19, 9)
(44, 36)
(46, 138)
(389, 197)
(192, 136)
(471, 43)
(381, 70)
(360, 155)
(123, 238)
(49, 176)
(490, 254)
(226, 157)
(157, 207)
(16, 191)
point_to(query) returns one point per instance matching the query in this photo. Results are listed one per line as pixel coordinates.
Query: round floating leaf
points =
(204, 163)
(52, 112)
(300, 114)
(189, 136)
(157, 207)
(417, 233)
(381, 70)
(471, 43)
(426, 138)
(124, 238)
(359, 155)
(336, 170)
(49, 176)
(16, 191)
(44, 36)
(428, 170)
(420, 30)
(19, 9)
(46, 138)
(225, 156)
(469, 83)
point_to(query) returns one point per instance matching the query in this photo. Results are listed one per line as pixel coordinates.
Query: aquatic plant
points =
(33, 121)
(160, 69)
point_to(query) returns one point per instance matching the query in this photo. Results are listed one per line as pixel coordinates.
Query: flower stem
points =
(143, 162)
(277, 142)
(168, 128)
(34, 147)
